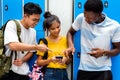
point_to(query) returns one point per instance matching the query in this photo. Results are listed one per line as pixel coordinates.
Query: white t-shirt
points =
(27, 36)
(100, 35)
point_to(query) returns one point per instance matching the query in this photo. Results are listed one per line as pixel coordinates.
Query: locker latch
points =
(78, 54)
(6, 7)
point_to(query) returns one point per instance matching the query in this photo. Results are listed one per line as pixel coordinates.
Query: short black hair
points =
(94, 6)
(32, 8)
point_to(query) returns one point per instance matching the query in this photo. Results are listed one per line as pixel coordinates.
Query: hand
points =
(42, 47)
(69, 52)
(96, 52)
(18, 62)
(54, 59)
(62, 61)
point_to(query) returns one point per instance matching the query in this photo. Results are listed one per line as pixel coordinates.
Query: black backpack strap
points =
(4, 26)
(46, 43)
(45, 56)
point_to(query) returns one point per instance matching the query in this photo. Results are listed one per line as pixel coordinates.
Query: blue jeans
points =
(55, 74)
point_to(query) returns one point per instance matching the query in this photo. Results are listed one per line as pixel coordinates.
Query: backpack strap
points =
(4, 26)
(18, 29)
(45, 56)
(46, 43)
(18, 33)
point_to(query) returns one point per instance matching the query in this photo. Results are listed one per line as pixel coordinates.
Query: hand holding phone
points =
(59, 57)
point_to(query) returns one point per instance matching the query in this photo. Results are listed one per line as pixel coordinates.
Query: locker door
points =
(10, 9)
(39, 27)
(112, 11)
(78, 8)
(111, 8)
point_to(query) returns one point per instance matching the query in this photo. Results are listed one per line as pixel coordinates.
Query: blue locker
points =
(112, 11)
(10, 9)
(38, 28)
(78, 8)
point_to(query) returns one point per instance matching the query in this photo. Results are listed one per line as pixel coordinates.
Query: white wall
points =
(63, 9)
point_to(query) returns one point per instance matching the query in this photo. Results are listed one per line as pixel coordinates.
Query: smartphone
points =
(59, 57)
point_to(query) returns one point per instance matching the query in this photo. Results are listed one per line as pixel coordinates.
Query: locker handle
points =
(78, 55)
(6, 7)
(106, 4)
(79, 5)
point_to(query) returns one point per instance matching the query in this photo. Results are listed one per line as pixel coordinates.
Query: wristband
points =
(35, 46)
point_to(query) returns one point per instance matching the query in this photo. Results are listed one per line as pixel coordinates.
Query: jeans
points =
(55, 74)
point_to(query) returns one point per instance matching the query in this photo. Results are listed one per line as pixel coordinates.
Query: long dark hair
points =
(49, 18)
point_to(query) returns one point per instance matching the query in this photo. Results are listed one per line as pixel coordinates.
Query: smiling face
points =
(91, 17)
(31, 20)
(54, 29)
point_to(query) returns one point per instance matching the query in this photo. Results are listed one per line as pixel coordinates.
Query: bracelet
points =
(35, 47)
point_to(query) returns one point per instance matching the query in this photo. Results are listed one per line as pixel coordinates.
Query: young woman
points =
(56, 61)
